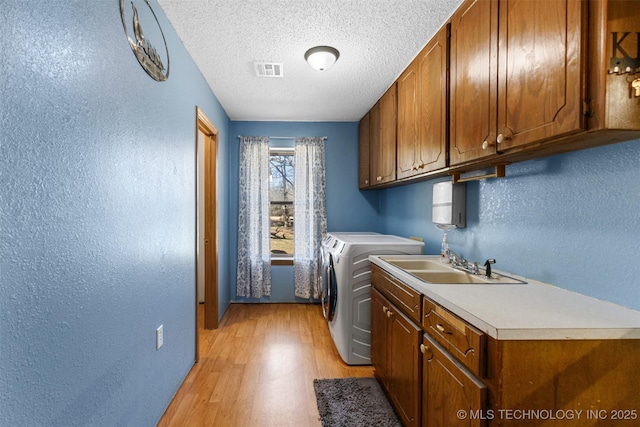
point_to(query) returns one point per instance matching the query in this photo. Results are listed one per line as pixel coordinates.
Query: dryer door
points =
(323, 274)
(329, 294)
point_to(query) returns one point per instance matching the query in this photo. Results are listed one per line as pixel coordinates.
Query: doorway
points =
(206, 213)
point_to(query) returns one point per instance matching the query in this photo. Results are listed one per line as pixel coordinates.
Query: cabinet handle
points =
(366, 181)
(378, 178)
(442, 329)
(486, 145)
(384, 309)
(424, 348)
(389, 313)
(500, 139)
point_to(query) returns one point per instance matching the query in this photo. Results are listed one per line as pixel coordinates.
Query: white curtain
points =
(310, 216)
(254, 258)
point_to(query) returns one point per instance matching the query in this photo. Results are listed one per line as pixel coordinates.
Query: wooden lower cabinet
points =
(396, 357)
(405, 366)
(451, 395)
(432, 382)
(545, 382)
(379, 336)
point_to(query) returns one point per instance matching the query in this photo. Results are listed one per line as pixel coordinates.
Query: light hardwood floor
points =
(257, 369)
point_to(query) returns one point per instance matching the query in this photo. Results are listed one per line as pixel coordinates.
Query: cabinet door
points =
(405, 367)
(374, 143)
(433, 65)
(541, 68)
(474, 63)
(408, 119)
(383, 139)
(363, 152)
(447, 387)
(379, 344)
(422, 109)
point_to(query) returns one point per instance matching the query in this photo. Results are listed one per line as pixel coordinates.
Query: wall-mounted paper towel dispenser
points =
(449, 204)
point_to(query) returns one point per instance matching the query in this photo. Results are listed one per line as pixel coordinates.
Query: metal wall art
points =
(622, 46)
(150, 59)
(621, 62)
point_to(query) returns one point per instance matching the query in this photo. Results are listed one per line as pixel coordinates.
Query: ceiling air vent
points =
(268, 69)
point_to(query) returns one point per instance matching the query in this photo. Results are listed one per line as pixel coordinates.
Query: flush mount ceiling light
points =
(321, 57)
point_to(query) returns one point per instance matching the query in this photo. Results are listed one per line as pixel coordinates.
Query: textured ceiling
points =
(377, 39)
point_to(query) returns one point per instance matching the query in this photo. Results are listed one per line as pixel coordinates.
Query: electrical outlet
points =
(159, 337)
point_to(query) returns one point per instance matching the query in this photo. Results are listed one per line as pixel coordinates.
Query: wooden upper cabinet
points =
(374, 142)
(422, 110)
(519, 82)
(363, 152)
(474, 68)
(614, 41)
(541, 70)
(508, 81)
(433, 66)
(408, 117)
(382, 148)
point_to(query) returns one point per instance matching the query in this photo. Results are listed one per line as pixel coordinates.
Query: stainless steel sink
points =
(419, 264)
(461, 278)
(429, 269)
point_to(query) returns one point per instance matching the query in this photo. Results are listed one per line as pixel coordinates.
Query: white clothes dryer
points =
(346, 287)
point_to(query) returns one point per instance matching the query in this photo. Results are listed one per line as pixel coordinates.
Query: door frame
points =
(210, 235)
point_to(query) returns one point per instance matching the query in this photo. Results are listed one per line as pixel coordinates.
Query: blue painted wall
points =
(347, 208)
(97, 217)
(572, 220)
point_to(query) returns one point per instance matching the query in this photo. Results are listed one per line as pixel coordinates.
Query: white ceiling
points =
(377, 39)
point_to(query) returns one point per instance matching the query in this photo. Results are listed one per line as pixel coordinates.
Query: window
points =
(281, 194)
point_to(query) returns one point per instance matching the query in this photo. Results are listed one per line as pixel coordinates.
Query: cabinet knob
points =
(378, 178)
(442, 329)
(366, 181)
(389, 313)
(499, 140)
(423, 348)
(384, 309)
(505, 135)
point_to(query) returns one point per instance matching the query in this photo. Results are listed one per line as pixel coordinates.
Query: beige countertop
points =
(529, 311)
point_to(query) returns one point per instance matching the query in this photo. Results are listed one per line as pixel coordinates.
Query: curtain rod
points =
(284, 137)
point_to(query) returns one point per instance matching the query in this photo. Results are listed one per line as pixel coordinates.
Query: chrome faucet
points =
(460, 263)
(454, 258)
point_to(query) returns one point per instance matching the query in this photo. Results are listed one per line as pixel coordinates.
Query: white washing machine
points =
(346, 287)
